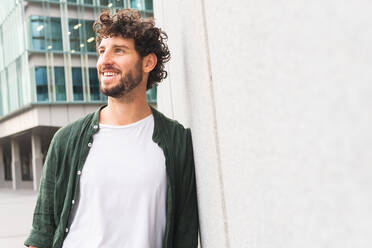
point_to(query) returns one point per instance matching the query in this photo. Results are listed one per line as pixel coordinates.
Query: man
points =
(124, 175)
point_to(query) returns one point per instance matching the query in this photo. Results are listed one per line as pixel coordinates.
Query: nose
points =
(104, 59)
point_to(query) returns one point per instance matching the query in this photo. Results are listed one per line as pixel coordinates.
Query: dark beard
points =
(127, 83)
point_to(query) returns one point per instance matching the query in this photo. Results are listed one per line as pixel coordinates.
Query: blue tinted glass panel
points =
(88, 1)
(136, 4)
(104, 2)
(46, 33)
(41, 80)
(71, 1)
(55, 35)
(82, 37)
(60, 86)
(90, 40)
(38, 32)
(74, 28)
(148, 4)
(119, 4)
(94, 85)
(77, 84)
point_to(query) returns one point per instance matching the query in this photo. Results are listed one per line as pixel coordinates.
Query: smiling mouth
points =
(109, 73)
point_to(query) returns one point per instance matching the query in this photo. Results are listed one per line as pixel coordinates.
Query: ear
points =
(149, 62)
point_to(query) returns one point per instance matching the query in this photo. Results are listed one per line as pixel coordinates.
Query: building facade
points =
(48, 77)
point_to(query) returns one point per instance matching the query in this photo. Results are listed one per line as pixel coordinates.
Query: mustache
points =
(109, 67)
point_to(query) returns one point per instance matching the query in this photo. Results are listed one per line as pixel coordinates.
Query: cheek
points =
(99, 64)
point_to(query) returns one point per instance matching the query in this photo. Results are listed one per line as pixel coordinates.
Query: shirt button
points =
(95, 126)
(66, 229)
(73, 202)
(89, 144)
(78, 172)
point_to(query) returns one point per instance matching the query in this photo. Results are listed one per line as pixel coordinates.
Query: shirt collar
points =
(156, 136)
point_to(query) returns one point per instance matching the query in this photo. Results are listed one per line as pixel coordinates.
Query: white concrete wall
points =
(278, 97)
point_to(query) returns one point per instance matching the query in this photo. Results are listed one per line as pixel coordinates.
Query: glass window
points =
(95, 94)
(7, 168)
(136, 4)
(148, 5)
(113, 3)
(104, 2)
(77, 84)
(41, 79)
(25, 159)
(90, 36)
(119, 4)
(55, 35)
(26, 168)
(82, 36)
(46, 33)
(38, 32)
(59, 80)
(71, 1)
(88, 1)
(74, 28)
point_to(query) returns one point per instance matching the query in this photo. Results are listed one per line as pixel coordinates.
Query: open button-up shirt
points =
(62, 169)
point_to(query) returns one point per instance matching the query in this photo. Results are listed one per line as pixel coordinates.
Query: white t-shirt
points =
(121, 200)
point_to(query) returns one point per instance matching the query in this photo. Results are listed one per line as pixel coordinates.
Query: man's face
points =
(119, 66)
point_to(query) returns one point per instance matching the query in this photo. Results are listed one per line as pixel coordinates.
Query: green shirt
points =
(65, 160)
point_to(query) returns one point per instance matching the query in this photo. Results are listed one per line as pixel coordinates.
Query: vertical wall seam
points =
(169, 92)
(168, 65)
(215, 130)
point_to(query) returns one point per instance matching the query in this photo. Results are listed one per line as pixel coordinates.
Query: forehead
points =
(116, 41)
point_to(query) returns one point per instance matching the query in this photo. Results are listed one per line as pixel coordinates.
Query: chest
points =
(119, 160)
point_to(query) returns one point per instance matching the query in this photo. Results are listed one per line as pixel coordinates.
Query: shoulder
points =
(72, 129)
(171, 129)
(175, 138)
(178, 143)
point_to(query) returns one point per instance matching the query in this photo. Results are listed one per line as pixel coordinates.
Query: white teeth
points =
(109, 74)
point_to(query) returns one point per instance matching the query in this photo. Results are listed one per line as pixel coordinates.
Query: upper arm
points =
(187, 219)
(43, 224)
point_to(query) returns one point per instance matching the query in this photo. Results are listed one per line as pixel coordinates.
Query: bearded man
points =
(124, 176)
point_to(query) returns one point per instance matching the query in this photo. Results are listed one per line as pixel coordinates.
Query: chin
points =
(109, 85)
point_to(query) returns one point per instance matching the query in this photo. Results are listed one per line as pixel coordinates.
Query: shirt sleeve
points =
(187, 219)
(43, 225)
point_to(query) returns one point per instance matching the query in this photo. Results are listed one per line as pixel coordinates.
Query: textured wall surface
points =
(278, 97)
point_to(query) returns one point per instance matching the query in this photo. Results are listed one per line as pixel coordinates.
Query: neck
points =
(125, 110)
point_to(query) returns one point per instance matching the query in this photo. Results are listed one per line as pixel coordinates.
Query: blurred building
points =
(48, 77)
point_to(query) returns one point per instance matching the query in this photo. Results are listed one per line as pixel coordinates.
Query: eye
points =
(101, 51)
(119, 50)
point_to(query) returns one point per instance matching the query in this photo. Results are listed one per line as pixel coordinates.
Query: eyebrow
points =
(116, 46)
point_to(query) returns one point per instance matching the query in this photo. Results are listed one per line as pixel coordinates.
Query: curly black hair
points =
(128, 23)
